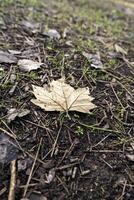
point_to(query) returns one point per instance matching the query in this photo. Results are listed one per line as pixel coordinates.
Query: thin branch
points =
(99, 129)
(31, 172)
(55, 143)
(11, 195)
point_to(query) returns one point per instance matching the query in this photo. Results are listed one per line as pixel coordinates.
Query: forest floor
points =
(55, 155)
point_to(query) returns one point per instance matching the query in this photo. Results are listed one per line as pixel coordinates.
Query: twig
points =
(9, 134)
(95, 145)
(3, 190)
(12, 135)
(106, 163)
(30, 185)
(125, 88)
(67, 166)
(119, 82)
(31, 172)
(44, 127)
(54, 145)
(104, 151)
(99, 129)
(123, 191)
(11, 195)
(63, 184)
(117, 97)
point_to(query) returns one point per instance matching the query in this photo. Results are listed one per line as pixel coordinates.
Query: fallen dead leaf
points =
(14, 52)
(94, 59)
(13, 113)
(24, 163)
(28, 65)
(119, 49)
(60, 96)
(52, 33)
(130, 157)
(50, 176)
(31, 26)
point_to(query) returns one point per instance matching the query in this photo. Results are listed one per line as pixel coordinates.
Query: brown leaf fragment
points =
(119, 49)
(52, 34)
(130, 157)
(60, 96)
(94, 59)
(13, 113)
(14, 52)
(28, 65)
(50, 176)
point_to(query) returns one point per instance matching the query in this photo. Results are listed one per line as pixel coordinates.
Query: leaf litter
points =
(59, 96)
(13, 113)
(28, 65)
(94, 59)
(53, 34)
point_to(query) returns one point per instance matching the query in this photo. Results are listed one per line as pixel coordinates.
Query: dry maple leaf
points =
(60, 96)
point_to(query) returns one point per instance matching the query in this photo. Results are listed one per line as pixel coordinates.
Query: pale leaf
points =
(28, 65)
(53, 34)
(13, 113)
(60, 96)
(94, 59)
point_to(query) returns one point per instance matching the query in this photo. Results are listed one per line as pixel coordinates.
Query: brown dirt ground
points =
(80, 156)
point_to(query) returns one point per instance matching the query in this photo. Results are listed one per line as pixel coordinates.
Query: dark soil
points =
(76, 156)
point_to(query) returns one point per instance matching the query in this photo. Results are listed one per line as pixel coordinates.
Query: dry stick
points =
(3, 190)
(129, 64)
(125, 88)
(117, 97)
(67, 152)
(63, 184)
(95, 145)
(118, 81)
(123, 191)
(11, 194)
(8, 75)
(31, 172)
(9, 134)
(25, 152)
(30, 185)
(104, 151)
(12, 136)
(128, 185)
(106, 163)
(54, 145)
(99, 129)
(44, 127)
(67, 166)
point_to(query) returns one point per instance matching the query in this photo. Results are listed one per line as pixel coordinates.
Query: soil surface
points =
(58, 155)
